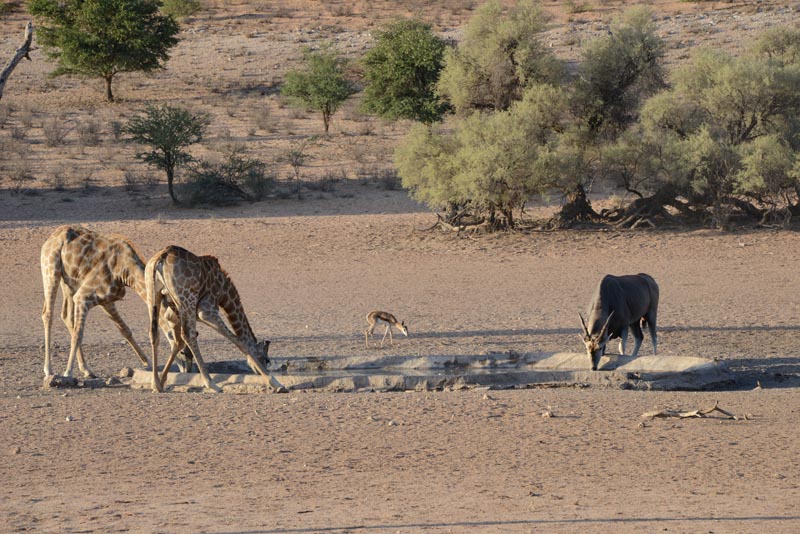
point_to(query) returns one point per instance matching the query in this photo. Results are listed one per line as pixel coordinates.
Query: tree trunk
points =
(577, 208)
(109, 94)
(22, 52)
(326, 119)
(170, 180)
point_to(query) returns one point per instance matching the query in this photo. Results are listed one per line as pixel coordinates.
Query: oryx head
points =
(595, 343)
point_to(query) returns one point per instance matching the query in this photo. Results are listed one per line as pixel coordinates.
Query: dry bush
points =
(131, 180)
(264, 120)
(55, 131)
(19, 132)
(89, 133)
(20, 174)
(5, 114)
(57, 181)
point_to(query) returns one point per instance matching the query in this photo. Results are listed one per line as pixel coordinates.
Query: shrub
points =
(54, 132)
(181, 8)
(237, 178)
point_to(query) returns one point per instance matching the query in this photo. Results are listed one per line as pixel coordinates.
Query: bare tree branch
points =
(22, 52)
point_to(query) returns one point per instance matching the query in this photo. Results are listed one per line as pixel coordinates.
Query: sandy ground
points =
(117, 460)
(449, 461)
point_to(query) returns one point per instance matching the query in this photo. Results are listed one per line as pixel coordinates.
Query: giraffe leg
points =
(189, 333)
(208, 314)
(81, 306)
(68, 317)
(113, 314)
(50, 280)
(154, 305)
(175, 349)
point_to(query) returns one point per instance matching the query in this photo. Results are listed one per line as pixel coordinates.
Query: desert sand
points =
(470, 460)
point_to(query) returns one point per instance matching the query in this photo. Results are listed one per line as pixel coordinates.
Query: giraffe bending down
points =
(196, 287)
(93, 270)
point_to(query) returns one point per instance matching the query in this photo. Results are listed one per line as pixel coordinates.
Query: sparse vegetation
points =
(181, 8)
(55, 132)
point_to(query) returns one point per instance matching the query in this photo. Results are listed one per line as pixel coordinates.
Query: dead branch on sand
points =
(702, 412)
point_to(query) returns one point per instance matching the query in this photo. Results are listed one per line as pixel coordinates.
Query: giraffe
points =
(93, 270)
(196, 287)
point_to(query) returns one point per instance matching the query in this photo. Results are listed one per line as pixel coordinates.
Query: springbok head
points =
(595, 343)
(403, 328)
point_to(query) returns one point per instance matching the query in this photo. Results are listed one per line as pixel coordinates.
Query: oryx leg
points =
(650, 317)
(623, 339)
(638, 337)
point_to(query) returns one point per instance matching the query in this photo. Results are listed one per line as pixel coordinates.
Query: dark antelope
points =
(619, 303)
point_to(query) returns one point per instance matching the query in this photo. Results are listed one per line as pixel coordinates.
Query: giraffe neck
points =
(132, 276)
(231, 304)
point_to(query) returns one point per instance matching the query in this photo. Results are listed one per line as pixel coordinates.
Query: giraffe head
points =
(259, 353)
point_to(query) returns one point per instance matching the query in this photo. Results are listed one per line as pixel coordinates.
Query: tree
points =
(102, 38)
(491, 164)
(322, 85)
(724, 139)
(22, 52)
(168, 130)
(402, 70)
(500, 56)
(618, 70)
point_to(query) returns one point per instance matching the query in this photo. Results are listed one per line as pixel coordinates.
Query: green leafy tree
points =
(168, 131)
(402, 70)
(618, 70)
(491, 164)
(102, 38)
(501, 54)
(723, 141)
(321, 86)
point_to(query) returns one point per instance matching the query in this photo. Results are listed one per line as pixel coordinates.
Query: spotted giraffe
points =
(196, 287)
(93, 270)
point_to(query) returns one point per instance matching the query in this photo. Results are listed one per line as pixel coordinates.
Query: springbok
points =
(375, 317)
